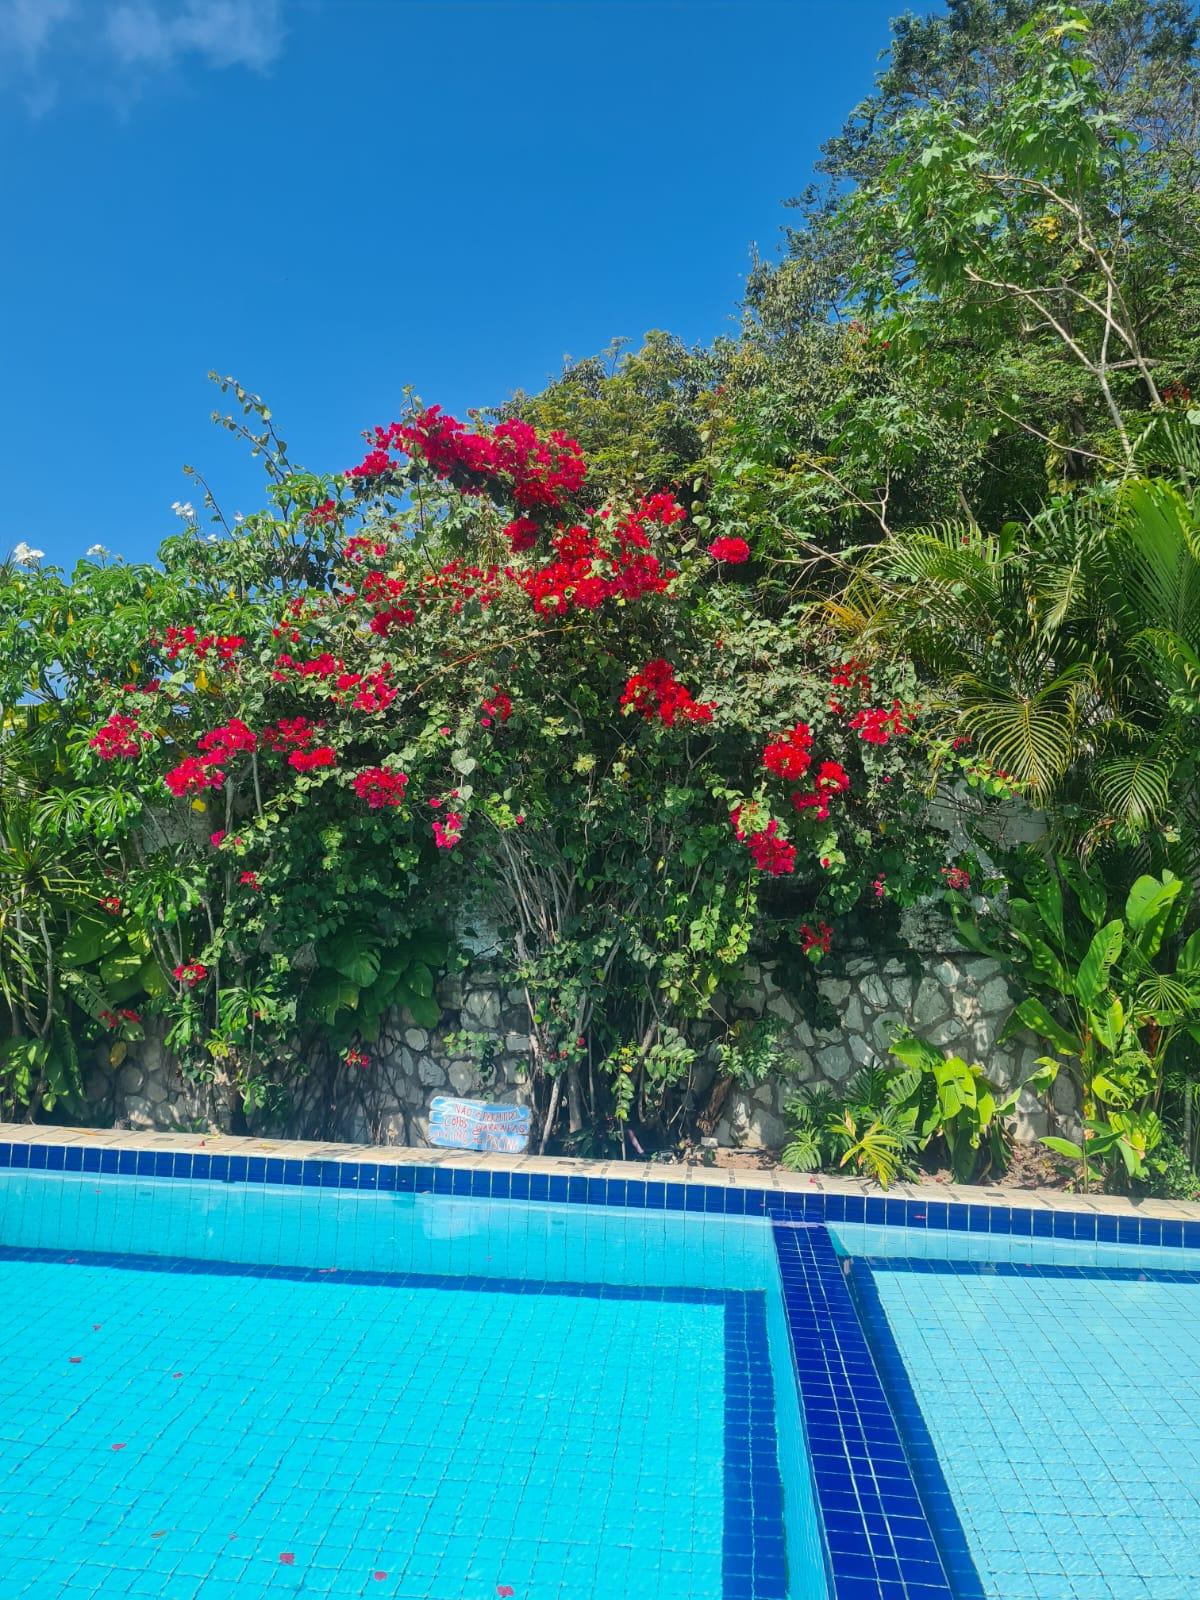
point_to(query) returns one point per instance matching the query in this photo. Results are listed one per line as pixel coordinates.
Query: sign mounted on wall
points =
(476, 1125)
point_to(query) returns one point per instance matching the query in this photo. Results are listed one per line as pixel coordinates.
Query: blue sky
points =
(333, 198)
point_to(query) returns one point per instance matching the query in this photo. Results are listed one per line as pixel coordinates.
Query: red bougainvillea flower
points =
(818, 938)
(354, 1057)
(522, 534)
(770, 853)
(380, 788)
(734, 552)
(308, 760)
(323, 514)
(878, 725)
(831, 779)
(223, 743)
(850, 675)
(956, 877)
(361, 545)
(190, 973)
(111, 904)
(537, 472)
(654, 693)
(788, 755)
(120, 736)
(192, 776)
(214, 839)
(880, 886)
(250, 879)
(497, 709)
(376, 693)
(298, 731)
(447, 834)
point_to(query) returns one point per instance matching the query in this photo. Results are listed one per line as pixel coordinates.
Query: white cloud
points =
(225, 33)
(27, 27)
(113, 44)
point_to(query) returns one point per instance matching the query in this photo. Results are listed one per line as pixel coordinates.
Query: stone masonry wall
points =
(954, 999)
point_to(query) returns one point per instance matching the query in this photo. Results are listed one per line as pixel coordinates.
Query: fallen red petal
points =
(504, 1590)
(287, 1559)
(379, 1576)
(118, 1447)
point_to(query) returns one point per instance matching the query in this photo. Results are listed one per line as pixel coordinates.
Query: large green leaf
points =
(1034, 1015)
(1092, 978)
(1089, 891)
(355, 955)
(1147, 908)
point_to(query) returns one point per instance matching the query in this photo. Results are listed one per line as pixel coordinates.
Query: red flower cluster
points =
(654, 692)
(180, 639)
(322, 515)
(223, 743)
(877, 725)
(522, 534)
(322, 666)
(497, 709)
(956, 877)
(789, 755)
(193, 775)
(831, 779)
(308, 760)
(191, 973)
(111, 904)
(731, 550)
(118, 736)
(114, 1019)
(380, 788)
(355, 1057)
(287, 731)
(361, 544)
(537, 472)
(850, 675)
(770, 853)
(587, 572)
(250, 879)
(446, 835)
(817, 938)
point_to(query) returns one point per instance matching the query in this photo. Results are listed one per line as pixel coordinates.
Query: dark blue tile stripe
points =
(923, 1458)
(880, 1544)
(1027, 1269)
(754, 1552)
(640, 1193)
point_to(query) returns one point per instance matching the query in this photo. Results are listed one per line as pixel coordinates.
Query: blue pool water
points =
(219, 1392)
(1049, 1394)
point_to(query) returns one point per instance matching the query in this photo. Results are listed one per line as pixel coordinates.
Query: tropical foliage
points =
(701, 653)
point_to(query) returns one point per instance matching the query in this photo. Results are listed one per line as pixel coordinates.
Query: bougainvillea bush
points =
(444, 688)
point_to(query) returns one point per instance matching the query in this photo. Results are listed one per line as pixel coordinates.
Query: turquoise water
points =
(1059, 1387)
(531, 1398)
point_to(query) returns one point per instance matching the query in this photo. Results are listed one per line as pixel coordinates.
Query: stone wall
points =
(954, 999)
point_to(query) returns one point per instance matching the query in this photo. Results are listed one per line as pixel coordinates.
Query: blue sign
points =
(476, 1125)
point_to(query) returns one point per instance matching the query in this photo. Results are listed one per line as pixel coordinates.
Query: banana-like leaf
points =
(1092, 978)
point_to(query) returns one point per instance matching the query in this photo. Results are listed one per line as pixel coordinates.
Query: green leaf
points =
(353, 955)
(425, 1013)
(1063, 1147)
(1092, 978)
(1148, 907)
(1034, 1014)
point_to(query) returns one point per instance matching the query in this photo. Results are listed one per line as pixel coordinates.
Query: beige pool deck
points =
(768, 1179)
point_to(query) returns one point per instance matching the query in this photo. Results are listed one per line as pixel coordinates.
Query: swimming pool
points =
(229, 1376)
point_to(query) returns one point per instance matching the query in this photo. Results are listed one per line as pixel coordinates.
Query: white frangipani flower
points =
(26, 556)
(184, 509)
(97, 550)
(238, 518)
(211, 538)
